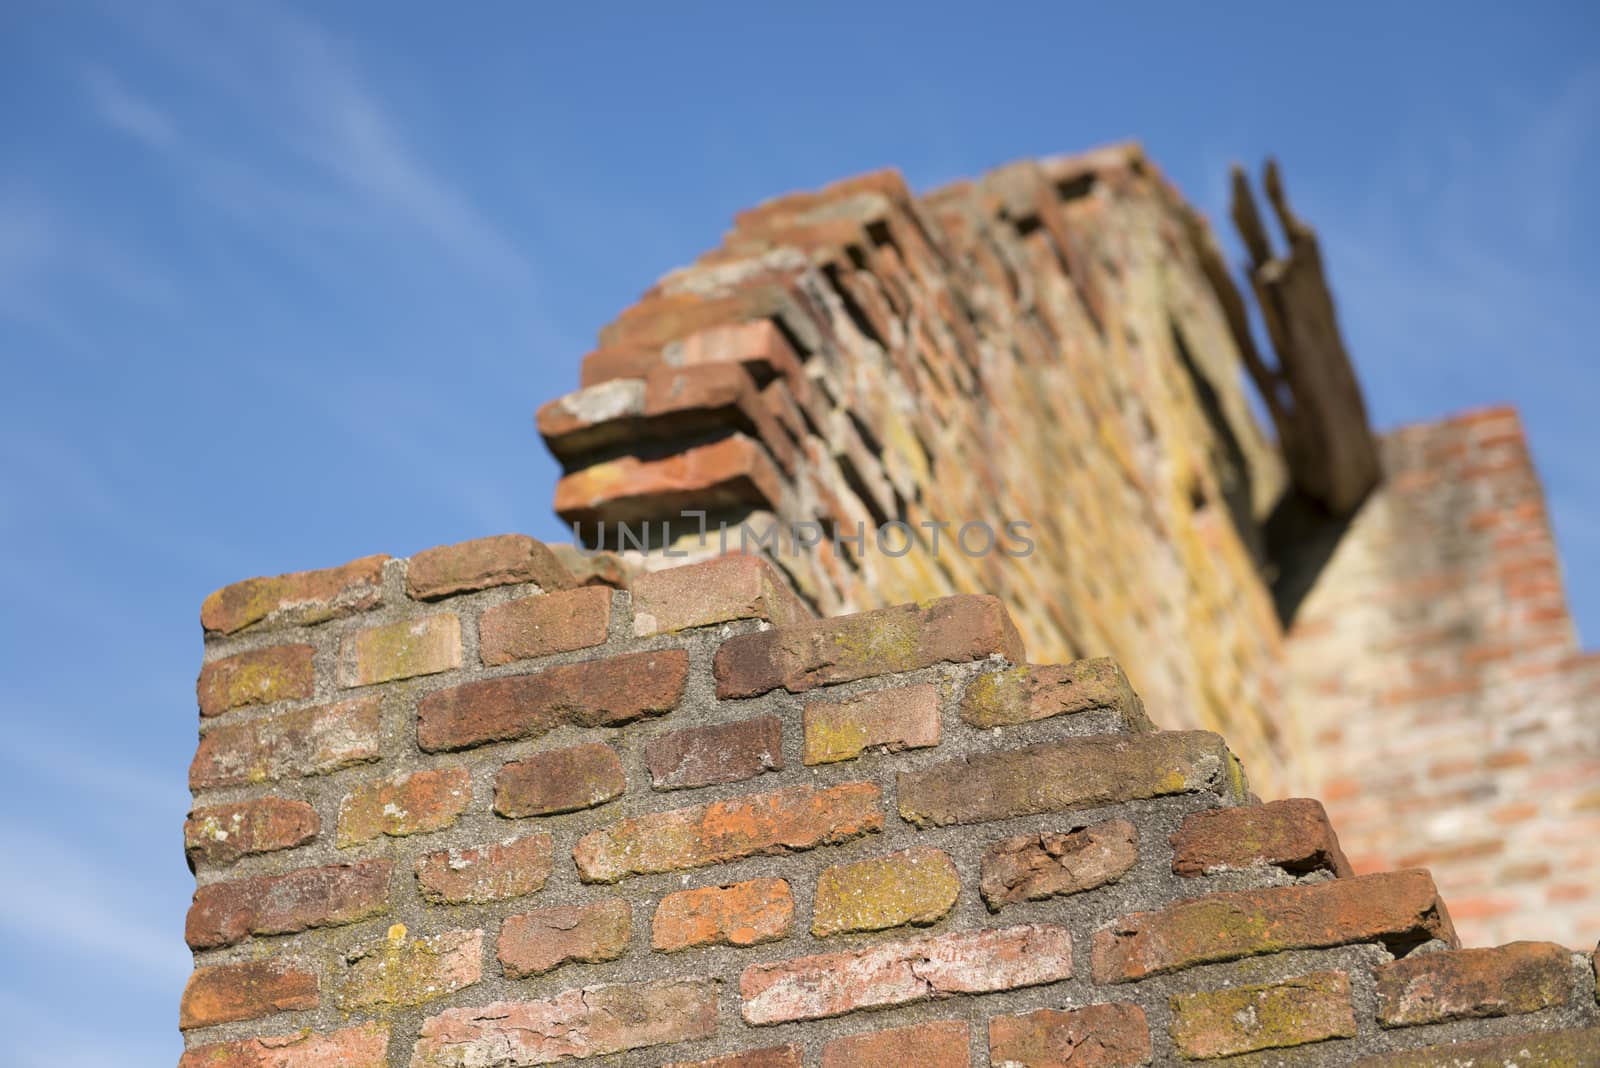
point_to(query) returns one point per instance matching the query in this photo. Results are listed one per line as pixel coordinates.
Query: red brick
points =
(1469, 983)
(1066, 775)
(733, 471)
(798, 818)
(298, 599)
(721, 752)
(905, 717)
(229, 912)
(221, 834)
(588, 1022)
(942, 1044)
(591, 567)
(770, 1057)
(258, 677)
(362, 1046)
(1401, 909)
(918, 886)
(544, 624)
(1220, 1023)
(900, 973)
(246, 991)
(505, 560)
(404, 804)
(563, 780)
(740, 914)
(1035, 867)
(1552, 1049)
(1095, 1036)
(717, 591)
(1294, 835)
(493, 872)
(403, 650)
(594, 693)
(398, 971)
(300, 742)
(533, 943)
(882, 642)
(1034, 692)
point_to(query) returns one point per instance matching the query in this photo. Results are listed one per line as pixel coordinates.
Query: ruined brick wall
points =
(1458, 724)
(460, 810)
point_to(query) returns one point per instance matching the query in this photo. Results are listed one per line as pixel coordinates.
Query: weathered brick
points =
(1095, 1036)
(480, 874)
(740, 914)
(594, 693)
(1034, 867)
(592, 567)
(404, 804)
(1468, 983)
(221, 834)
(533, 943)
(362, 1046)
(1400, 909)
(228, 912)
(1551, 1049)
(563, 780)
(1220, 1023)
(941, 1044)
(797, 818)
(770, 1057)
(257, 677)
(900, 973)
(246, 991)
(731, 471)
(905, 717)
(721, 752)
(300, 742)
(504, 560)
(882, 642)
(548, 623)
(1041, 691)
(1294, 835)
(403, 650)
(717, 591)
(299, 599)
(397, 970)
(587, 1022)
(1072, 774)
(917, 886)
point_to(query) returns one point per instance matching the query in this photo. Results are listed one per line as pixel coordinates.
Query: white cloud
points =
(127, 111)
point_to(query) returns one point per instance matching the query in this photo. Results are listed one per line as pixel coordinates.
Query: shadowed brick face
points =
(1097, 1036)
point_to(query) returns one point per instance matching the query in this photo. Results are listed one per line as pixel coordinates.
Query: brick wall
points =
(1458, 722)
(462, 810)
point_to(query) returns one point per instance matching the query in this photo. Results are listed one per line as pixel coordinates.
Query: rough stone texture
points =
(544, 624)
(797, 818)
(412, 647)
(259, 677)
(533, 943)
(741, 914)
(587, 1022)
(1517, 978)
(770, 1057)
(480, 874)
(244, 991)
(717, 591)
(361, 1046)
(1399, 908)
(221, 834)
(1060, 776)
(899, 973)
(1034, 867)
(609, 692)
(1294, 835)
(1096, 1036)
(1220, 1023)
(1555, 1049)
(916, 886)
(225, 913)
(302, 598)
(563, 780)
(504, 560)
(942, 1044)
(1024, 694)
(404, 804)
(906, 717)
(722, 752)
(399, 970)
(304, 741)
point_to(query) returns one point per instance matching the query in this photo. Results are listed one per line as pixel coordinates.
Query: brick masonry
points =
(641, 872)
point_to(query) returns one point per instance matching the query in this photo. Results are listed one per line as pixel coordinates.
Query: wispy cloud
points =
(123, 109)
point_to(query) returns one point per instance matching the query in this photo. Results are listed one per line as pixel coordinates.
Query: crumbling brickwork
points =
(757, 838)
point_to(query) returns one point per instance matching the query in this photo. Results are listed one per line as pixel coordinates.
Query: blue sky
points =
(282, 286)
